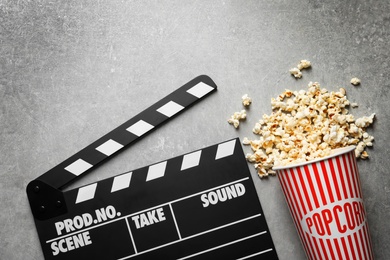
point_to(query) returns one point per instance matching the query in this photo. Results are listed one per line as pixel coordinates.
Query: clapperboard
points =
(201, 205)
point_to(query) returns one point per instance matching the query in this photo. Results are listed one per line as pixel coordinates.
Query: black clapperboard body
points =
(201, 205)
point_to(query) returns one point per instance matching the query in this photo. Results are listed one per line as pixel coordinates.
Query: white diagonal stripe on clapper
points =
(121, 182)
(169, 109)
(78, 167)
(109, 147)
(86, 193)
(191, 160)
(225, 149)
(200, 89)
(156, 171)
(140, 128)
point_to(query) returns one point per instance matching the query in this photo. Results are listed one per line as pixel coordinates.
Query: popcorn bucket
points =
(326, 203)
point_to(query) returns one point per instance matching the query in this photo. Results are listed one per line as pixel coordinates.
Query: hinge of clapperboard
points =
(44, 193)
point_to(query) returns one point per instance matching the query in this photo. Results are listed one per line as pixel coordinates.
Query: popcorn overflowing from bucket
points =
(307, 125)
(310, 142)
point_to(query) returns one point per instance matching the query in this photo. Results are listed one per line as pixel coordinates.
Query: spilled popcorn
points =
(246, 100)
(306, 125)
(355, 81)
(304, 64)
(296, 72)
(236, 117)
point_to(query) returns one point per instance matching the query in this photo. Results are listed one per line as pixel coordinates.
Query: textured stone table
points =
(73, 70)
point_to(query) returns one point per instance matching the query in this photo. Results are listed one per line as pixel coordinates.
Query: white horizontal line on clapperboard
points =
(227, 244)
(202, 233)
(139, 212)
(255, 254)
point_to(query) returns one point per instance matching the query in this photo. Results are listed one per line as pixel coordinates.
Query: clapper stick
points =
(45, 198)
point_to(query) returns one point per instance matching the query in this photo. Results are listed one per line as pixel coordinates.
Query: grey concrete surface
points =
(70, 71)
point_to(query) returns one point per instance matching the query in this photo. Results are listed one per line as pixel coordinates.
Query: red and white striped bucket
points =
(326, 203)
